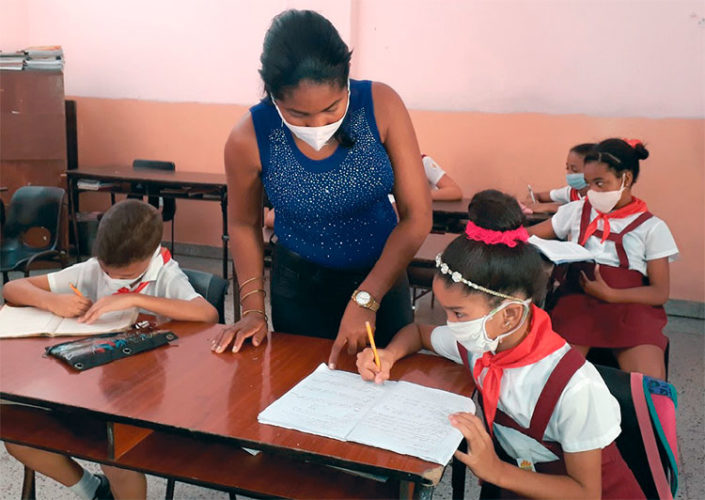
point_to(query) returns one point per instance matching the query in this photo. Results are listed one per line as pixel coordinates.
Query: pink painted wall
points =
(14, 25)
(584, 56)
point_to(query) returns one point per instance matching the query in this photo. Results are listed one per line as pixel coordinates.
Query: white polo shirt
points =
(433, 172)
(164, 279)
(651, 240)
(561, 195)
(586, 416)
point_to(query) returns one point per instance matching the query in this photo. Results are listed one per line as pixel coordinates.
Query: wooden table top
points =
(187, 388)
(175, 177)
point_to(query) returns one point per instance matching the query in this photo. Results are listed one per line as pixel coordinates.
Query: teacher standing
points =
(328, 150)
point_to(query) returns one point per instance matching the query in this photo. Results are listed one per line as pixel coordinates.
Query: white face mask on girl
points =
(316, 137)
(605, 201)
(473, 336)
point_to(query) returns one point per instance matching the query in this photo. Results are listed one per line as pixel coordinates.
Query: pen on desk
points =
(372, 343)
(75, 290)
(531, 193)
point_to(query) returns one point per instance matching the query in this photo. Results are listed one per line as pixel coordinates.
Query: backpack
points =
(648, 439)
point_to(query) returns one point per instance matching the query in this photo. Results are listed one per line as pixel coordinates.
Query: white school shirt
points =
(433, 172)
(651, 240)
(586, 416)
(165, 280)
(561, 195)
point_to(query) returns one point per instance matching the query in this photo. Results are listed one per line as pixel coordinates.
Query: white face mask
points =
(605, 201)
(473, 336)
(112, 285)
(316, 137)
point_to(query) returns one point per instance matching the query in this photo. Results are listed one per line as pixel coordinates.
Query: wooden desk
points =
(151, 182)
(183, 412)
(451, 216)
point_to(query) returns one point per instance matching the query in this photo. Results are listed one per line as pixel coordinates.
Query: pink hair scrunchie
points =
(492, 237)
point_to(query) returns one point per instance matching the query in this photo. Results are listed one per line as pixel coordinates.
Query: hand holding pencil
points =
(372, 363)
(68, 305)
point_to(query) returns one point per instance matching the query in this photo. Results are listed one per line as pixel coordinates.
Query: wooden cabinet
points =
(32, 130)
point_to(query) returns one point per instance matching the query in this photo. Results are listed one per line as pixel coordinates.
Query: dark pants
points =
(309, 299)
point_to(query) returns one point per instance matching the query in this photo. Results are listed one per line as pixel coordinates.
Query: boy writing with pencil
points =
(130, 270)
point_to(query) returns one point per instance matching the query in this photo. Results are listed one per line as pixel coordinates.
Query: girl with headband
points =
(551, 421)
(617, 301)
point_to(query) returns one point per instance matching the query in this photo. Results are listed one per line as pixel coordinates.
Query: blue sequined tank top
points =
(334, 212)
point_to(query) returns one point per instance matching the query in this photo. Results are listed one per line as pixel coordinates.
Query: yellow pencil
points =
(372, 343)
(75, 290)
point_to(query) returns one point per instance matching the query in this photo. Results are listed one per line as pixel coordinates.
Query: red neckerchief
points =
(635, 207)
(166, 257)
(575, 195)
(538, 343)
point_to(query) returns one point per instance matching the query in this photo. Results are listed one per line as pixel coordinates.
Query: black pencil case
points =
(101, 349)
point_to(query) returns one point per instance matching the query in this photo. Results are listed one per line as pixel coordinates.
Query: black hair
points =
(582, 149)
(504, 269)
(129, 231)
(619, 156)
(303, 45)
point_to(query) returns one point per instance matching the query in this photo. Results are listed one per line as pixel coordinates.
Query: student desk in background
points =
(151, 182)
(451, 216)
(182, 412)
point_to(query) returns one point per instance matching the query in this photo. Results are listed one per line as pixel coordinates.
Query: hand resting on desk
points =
(249, 326)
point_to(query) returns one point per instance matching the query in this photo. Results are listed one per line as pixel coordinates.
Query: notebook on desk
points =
(406, 418)
(561, 252)
(33, 322)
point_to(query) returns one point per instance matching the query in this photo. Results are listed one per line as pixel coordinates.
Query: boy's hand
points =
(117, 302)
(368, 369)
(481, 457)
(68, 305)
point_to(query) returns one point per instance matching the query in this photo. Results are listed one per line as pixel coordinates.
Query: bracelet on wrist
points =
(258, 311)
(252, 293)
(242, 285)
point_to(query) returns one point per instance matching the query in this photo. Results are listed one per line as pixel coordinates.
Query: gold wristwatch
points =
(364, 299)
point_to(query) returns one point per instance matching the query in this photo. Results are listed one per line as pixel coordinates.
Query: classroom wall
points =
(498, 90)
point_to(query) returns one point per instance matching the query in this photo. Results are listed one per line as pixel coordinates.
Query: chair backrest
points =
(154, 164)
(212, 288)
(169, 204)
(34, 217)
(648, 455)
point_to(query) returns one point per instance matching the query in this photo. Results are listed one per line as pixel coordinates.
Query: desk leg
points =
(457, 480)
(73, 209)
(225, 237)
(28, 488)
(418, 491)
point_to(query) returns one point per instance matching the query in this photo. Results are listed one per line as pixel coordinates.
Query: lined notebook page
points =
(399, 416)
(30, 321)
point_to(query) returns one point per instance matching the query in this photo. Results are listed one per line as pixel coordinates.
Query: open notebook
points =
(31, 322)
(561, 252)
(399, 416)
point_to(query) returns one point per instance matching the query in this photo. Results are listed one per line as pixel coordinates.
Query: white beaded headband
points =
(458, 278)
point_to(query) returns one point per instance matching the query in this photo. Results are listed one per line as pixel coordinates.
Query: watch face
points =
(362, 298)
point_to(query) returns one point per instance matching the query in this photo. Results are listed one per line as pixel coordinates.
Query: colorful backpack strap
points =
(647, 435)
(662, 402)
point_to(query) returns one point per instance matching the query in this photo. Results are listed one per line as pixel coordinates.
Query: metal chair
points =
(169, 203)
(212, 288)
(32, 229)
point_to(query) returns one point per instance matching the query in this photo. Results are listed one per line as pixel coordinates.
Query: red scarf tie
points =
(538, 343)
(166, 257)
(635, 207)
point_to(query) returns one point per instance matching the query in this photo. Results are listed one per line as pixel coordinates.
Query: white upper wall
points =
(613, 58)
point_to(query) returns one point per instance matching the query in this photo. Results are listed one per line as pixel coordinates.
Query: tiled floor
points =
(687, 373)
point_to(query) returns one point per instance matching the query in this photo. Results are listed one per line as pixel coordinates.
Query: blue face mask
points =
(576, 181)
